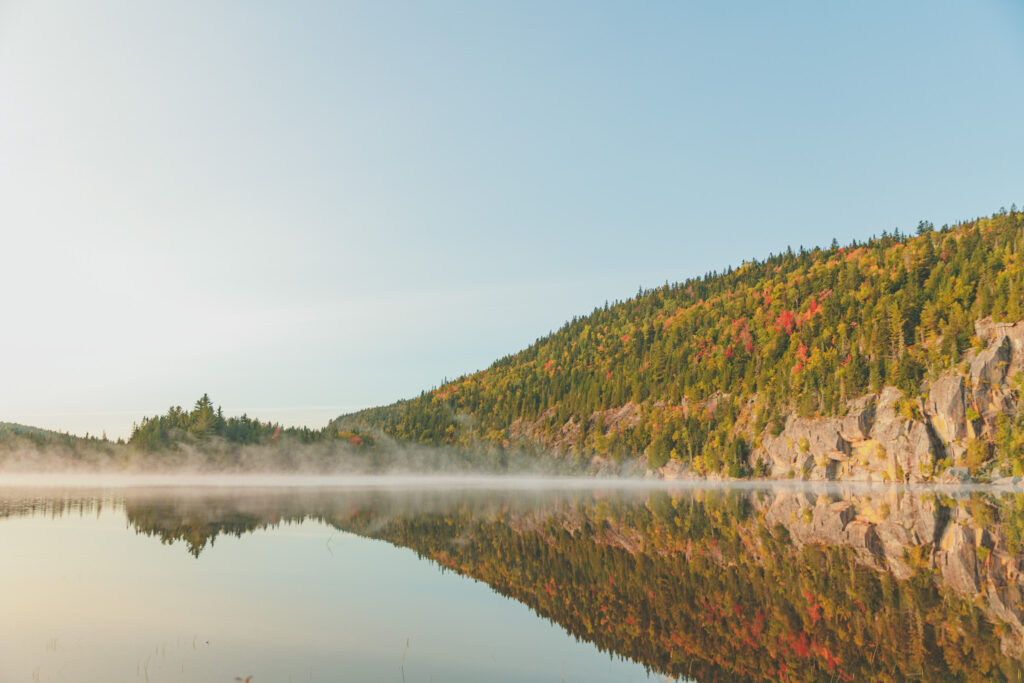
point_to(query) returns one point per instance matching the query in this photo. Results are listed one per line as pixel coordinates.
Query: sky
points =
(302, 209)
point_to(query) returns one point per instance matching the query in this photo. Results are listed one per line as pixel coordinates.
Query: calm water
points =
(410, 583)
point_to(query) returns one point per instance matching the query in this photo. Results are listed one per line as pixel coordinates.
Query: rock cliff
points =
(889, 437)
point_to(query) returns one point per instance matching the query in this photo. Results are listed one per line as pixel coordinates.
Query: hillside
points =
(25, 447)
(739, 372)
(200, 439)
(203, 438)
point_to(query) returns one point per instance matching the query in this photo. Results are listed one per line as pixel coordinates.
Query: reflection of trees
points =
(703, 588)
(194, 530)
(714, 585)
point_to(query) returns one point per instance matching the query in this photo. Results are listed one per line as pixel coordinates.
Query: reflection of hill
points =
(711, 584)
(738, 587)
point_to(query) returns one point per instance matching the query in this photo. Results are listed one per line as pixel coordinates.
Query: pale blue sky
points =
(306, 207)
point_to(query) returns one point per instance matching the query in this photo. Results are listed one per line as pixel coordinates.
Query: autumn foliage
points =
(737, 351)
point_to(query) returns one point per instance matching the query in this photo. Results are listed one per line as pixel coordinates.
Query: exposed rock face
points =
(906, 442)
(955, 475)
(675, 469)
(1015, 333)
(989, 370)
(991, 333)
(564, 438)
(946, 407)
(804, 445)
(994, 368)
(873, 442)
(877, 441)
(857, 424)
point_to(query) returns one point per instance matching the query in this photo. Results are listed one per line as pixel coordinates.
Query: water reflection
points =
(711, 584)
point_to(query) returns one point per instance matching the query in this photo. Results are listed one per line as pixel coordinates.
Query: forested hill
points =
(702, 372)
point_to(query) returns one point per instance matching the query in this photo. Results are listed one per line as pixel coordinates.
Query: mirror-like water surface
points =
(384, 583)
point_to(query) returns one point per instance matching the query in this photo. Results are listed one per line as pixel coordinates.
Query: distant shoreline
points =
(463, 481)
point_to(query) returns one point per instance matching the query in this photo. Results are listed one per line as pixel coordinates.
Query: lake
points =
(469, 580)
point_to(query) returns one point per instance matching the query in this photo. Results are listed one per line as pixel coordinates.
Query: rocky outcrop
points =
(906, 442)
(807, 447)
(566, 437)
(990, 333)
(946, 408)
(993, 368)
(889, 437)
(874, 442)
(989, 370)
(858, 422)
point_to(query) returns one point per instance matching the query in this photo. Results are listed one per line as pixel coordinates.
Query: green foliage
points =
(204, 423)
(658, 452)
(977, 454)
(1009, 442)
(908, 408)
(49, 448)
(736, 460)
(704, 361)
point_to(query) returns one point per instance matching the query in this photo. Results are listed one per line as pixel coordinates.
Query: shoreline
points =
(469, 481)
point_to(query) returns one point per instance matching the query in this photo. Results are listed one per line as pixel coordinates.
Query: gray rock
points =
(857, 423)
(992, 333)
(947, 408)
(1015, 333)
(956, 475)
(988, 380)
(675, 469)
(985, 329)
(802, 443)
(906, 442)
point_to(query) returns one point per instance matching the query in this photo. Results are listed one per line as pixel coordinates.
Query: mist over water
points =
(28, 453)
(751, 581)
(439, 481)
(445, 481)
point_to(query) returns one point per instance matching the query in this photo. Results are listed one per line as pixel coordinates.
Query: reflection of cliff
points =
(961, 544)
(734, 585)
